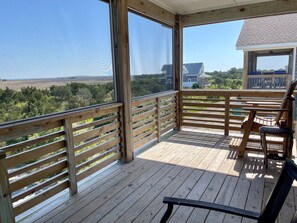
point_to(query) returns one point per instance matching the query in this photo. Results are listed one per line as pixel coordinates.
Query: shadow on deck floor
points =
(195, 165)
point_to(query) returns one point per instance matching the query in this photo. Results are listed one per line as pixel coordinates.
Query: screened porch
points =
(113, 160)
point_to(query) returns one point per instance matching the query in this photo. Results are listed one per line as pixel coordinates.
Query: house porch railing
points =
(222, 109)
(43, 156)
(268, 81)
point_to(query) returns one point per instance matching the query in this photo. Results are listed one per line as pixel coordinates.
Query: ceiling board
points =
(190, 6)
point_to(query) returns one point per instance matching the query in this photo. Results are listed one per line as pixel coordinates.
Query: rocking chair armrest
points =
(210, 206)
(265, 109)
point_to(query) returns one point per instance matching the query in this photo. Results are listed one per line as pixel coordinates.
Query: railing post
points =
(159, 119)
(70, 157)
(6, 208)
(227, 114)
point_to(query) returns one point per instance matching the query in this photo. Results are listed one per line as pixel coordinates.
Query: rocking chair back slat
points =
(286, 101)
(253, 122)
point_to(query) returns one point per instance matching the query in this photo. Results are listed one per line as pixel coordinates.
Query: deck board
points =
(189, 164)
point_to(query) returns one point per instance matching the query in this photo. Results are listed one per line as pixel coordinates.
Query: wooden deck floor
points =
(187, 165)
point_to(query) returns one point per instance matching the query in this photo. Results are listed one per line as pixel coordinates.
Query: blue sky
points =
(150, 45)
(54, 38)
(214, 45)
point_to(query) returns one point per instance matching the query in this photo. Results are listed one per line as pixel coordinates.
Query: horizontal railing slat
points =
(38, 175)
(35, 153)
(37, 164)
(144, 122)
(144, 135)
(144, 128)
(97, 140)
(95, 132)
(40, 186)
(97, 158)
(142, 116)
(40, 197)
(96, 149)
(30, 142)
(97, 122)
(143, 109)
(144, 141)
(98, 166)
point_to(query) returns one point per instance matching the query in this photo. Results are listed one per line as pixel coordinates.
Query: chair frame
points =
(269, 213)
(285, 112)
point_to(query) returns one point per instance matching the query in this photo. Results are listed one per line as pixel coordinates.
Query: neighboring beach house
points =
(266, 42)
(191, 73)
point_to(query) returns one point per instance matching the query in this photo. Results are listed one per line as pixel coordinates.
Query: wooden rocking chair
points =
(252, 122)
(268, 214)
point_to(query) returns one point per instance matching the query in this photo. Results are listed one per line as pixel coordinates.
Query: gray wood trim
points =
(151, 10)
(240, 12)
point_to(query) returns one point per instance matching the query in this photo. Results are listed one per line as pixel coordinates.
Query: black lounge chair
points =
(269, 213)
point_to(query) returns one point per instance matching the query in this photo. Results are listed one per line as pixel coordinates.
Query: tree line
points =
(230, 79)
(31, 101)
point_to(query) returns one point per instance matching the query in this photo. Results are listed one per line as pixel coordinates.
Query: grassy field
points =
(47, 82)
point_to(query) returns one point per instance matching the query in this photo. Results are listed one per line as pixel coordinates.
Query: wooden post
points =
(70, 157)
(227, 114)
(178, 64)
(6, 209)
(119, 18)
(158, 119)
(245, 70)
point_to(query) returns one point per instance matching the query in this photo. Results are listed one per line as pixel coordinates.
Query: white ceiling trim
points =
(191, 6)
(268, 46)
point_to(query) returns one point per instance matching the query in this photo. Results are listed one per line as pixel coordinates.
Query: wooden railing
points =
(153, 116)
(268, 81)
(43, 156)
(222, 109)
(48, 154)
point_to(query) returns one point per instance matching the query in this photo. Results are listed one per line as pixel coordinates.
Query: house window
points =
(151, 66)
(57, 57)
(274, 67)
(274, 64)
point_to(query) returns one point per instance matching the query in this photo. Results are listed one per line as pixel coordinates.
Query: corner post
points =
(119, 20)
(227, 114)
(70, 157)
(245, 70)
(178, 64)
(6, 208)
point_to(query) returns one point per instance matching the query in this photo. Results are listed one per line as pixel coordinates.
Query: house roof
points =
(188, 68)
(168, 68)
(193, 68)
(281, 29)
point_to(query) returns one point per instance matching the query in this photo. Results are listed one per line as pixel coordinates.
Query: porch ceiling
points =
(191, 6)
